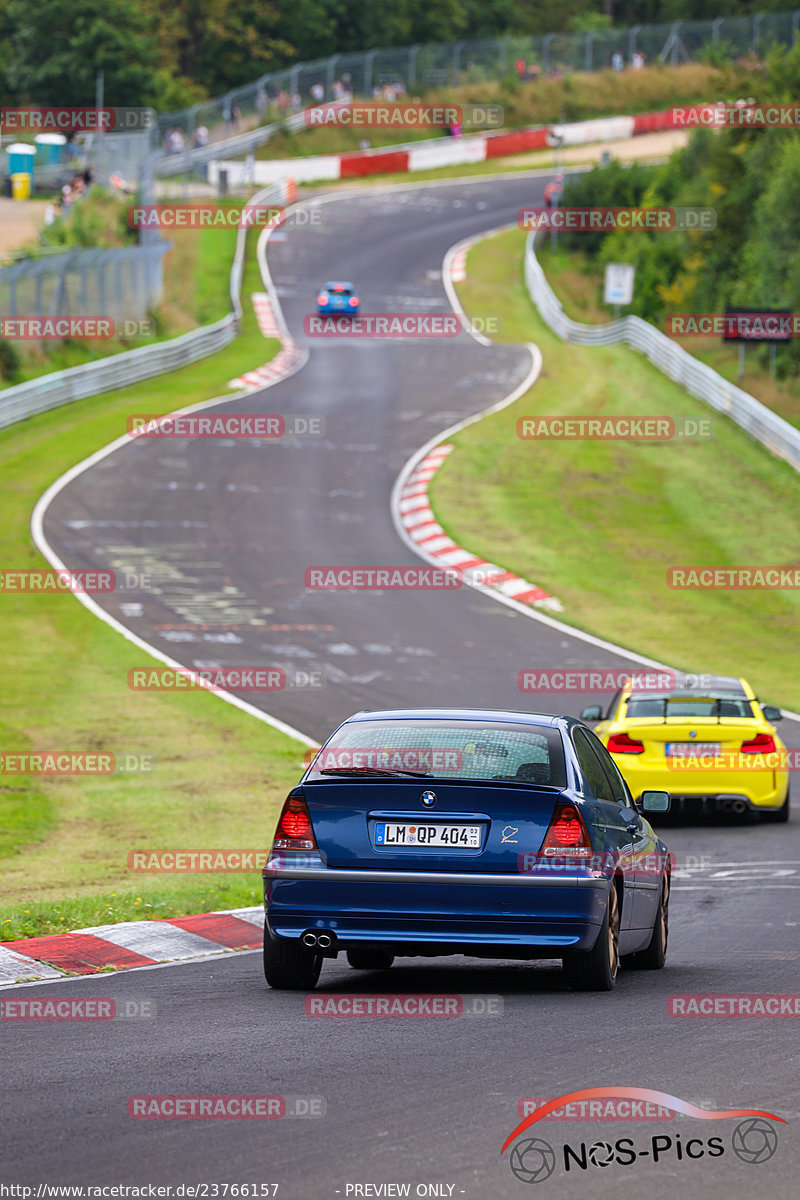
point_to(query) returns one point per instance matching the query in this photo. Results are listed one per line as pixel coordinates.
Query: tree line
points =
(751, 178)
(170, 55)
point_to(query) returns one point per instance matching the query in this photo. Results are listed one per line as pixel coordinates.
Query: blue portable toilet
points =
(49, 148)
(20, 159)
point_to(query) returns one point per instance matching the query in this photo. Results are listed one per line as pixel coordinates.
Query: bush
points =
(10, 362)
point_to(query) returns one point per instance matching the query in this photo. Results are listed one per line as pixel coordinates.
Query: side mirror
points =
(593, 713)
(655, 802)
(771, 713)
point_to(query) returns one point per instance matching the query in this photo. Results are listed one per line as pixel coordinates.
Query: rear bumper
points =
(450, 910)
(760, 789)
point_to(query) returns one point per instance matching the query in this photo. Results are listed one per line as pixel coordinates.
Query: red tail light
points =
(353, 301)
(567, 834)
(322, 298)
(294, 831)
(762, 743)
(620, 743)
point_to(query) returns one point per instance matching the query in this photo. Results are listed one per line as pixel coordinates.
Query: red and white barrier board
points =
(444, 152)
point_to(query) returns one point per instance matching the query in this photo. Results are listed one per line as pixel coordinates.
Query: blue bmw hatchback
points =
(489, 834)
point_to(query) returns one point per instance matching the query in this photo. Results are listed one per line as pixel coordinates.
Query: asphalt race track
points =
(227, 530)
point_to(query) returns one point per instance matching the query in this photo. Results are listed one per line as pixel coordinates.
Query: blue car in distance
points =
(498, 835)
(338, 299)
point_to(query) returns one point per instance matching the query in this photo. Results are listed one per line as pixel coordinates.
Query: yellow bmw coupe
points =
(706, 740)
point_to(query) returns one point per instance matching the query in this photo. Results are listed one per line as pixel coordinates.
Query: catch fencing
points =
(276, 99)
(120, 370)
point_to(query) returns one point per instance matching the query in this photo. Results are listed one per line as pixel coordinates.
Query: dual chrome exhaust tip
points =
(321, 939)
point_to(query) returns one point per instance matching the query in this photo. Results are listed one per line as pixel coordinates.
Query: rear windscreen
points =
(444, 750)
(661, 707)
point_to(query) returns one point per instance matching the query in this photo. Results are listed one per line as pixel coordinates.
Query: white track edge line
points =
(44, 547)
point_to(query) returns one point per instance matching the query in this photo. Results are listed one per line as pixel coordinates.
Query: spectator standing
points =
(554, 190)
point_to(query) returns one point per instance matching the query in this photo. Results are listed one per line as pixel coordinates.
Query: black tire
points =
(596, 970)
(654, 955)
(370, 958)
(288, 966)
(781, 815)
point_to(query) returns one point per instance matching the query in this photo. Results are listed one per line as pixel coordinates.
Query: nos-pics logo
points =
(753, 1140)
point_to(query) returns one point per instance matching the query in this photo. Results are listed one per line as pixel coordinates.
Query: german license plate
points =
(443, 837)
(691, 749)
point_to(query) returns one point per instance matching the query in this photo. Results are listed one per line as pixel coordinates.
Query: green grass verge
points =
(218, 776)
(577, 280)
(599, 523)
(196, 292)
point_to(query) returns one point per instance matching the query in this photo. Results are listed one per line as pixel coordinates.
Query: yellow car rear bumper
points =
(761, 786)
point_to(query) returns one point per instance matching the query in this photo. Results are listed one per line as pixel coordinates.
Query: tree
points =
(54, 49)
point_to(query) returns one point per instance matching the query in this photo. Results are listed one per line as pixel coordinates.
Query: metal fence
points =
(120, 370)
(781, 438)
(121, 284)
(281, 95)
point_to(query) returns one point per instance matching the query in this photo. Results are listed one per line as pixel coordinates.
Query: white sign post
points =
(618, 284)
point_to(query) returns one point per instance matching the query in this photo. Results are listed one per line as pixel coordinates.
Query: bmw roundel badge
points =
(428, 799)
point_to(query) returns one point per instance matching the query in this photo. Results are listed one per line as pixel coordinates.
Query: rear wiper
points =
(372, 771)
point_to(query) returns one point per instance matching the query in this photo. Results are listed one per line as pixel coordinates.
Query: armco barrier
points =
(121, 370)
(777, 435)
(239, 143)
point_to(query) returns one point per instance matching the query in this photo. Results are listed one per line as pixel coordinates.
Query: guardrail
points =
(120, 370)
(240, 143)
(777, 435)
